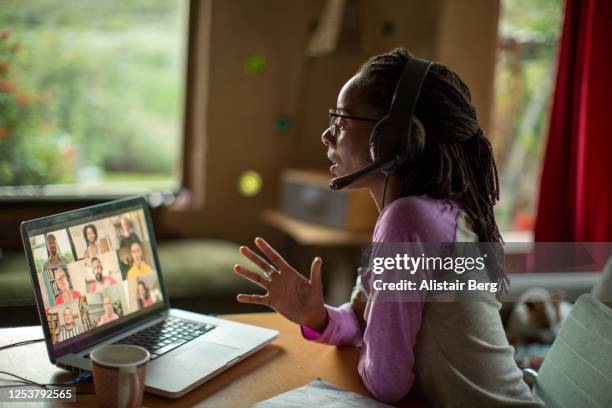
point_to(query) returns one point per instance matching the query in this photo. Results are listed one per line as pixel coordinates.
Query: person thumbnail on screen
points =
(64, 287)
(66, 320)
(129, 229)
(92, 239)
(69, 328)
(55, 243)
(109, 314)
(144, 295)
(139, 266)
(44, 273)
(101, 281)
(144, 291)
(94, 246)
(127, 235)
(109, 304)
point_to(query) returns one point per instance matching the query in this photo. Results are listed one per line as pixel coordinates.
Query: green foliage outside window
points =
(91, 92)
(529, 31)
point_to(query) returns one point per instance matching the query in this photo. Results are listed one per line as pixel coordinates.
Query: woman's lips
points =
(334, 166)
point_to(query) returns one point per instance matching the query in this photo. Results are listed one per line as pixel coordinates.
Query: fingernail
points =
(236, 267)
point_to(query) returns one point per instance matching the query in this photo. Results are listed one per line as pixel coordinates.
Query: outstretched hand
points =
(288, 292)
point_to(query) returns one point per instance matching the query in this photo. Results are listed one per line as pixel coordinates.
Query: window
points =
(91, 96)
(529, 31)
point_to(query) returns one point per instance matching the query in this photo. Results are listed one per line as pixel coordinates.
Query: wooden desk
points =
(288, 363)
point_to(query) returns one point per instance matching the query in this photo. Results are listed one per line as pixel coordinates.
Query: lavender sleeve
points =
(387, 355)
(386, 360)
(386, 363)
(342, 328)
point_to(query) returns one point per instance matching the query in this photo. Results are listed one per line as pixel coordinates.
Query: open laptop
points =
(97, 280)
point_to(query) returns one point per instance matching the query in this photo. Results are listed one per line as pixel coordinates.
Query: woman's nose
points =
(326, 138)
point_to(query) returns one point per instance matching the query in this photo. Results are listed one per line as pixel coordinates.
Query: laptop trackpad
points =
(183, 368)
(208, 354)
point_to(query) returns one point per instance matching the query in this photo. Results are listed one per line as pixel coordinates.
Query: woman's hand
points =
(288, 292)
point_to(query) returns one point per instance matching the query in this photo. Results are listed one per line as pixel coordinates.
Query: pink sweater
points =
(386, 363)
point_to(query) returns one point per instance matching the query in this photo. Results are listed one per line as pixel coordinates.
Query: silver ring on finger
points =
(269, 272)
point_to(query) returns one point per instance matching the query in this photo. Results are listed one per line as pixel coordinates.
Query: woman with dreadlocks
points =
(451, 354)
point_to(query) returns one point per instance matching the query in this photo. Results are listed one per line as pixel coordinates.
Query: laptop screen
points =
(94, 273)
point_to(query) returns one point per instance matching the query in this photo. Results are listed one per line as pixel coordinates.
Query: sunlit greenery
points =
(89, 89)
(532, 19)
(529, 31)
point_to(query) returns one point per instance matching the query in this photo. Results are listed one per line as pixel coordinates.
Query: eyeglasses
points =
(333, 120)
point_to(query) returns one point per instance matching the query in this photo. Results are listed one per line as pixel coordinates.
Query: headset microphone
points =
(339, 183)
(392, 141)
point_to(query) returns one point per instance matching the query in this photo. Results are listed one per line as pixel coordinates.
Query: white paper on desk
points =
(319, 393)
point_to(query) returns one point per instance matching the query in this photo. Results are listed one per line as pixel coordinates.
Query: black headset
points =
(398, 137)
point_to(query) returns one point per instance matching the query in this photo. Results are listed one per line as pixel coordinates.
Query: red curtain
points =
(576, 186)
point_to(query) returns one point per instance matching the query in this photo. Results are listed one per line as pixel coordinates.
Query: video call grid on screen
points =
(94, 271)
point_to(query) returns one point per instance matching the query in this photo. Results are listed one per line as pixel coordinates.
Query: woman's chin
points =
(337, 171)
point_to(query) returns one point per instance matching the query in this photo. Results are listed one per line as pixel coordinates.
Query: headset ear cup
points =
(376, 144)
(413, 146)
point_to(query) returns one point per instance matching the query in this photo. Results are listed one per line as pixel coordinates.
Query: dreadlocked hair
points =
(456, 161)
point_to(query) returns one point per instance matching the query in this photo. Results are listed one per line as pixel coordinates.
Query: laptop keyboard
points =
(167, 335)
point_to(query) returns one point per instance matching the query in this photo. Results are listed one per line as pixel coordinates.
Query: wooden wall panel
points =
(238, 117)
(466, 43)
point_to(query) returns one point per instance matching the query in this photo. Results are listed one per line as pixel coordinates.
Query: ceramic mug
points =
(119, 372)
